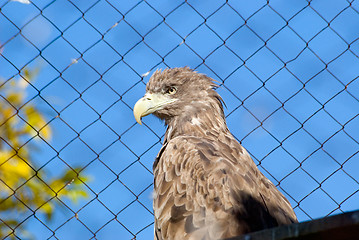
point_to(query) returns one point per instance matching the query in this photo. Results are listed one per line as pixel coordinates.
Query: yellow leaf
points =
(23, 169)
(46, 132)
(8, 112)
(4, 156)
(15, 98)
(36, 121)
(12, 168)
(48, 209)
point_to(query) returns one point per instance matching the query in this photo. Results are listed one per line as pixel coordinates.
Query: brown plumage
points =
(206, 185)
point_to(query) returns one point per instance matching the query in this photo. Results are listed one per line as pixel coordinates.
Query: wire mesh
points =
(289, 76)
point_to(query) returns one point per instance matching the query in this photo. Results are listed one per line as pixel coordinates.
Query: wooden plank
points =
(338, 227)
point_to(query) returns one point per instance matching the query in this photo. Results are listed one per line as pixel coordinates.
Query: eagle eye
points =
(171, 90)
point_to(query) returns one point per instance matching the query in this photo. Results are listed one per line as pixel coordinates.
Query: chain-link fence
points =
(75, 165)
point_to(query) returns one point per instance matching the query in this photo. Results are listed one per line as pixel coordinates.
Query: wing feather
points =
(212, 189)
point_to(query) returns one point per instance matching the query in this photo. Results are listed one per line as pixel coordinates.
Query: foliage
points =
(25, 188)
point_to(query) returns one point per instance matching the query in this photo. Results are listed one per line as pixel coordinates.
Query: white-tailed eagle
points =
(206, 186)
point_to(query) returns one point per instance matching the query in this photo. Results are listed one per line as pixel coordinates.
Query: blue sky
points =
(289, 72)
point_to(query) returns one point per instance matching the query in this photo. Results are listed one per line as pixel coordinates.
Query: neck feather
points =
(201, 119)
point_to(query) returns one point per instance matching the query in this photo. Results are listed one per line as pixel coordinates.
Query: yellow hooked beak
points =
(150, 103)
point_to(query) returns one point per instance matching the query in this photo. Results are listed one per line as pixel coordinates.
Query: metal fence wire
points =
(74, 164)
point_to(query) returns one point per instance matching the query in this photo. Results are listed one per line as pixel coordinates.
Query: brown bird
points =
(206, 186)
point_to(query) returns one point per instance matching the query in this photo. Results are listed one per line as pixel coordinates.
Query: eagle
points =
(206, 185)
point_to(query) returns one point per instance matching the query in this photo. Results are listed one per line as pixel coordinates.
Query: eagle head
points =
(176, 92)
